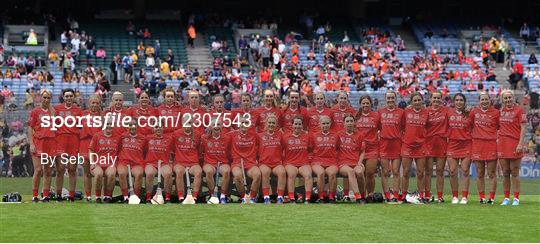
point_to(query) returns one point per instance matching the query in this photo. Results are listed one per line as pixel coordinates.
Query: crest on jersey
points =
(319, 138)
(452, 117)
(180, 139)
(383, 115)
(152, 142)
(101, 141)
(163, 112)
(210, 144)
(291, 141)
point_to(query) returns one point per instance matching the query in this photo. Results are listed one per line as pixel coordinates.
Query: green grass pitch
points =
(82, 222)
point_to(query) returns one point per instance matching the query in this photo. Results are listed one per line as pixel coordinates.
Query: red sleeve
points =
(522, 116)
(32, 119)
(93, 144)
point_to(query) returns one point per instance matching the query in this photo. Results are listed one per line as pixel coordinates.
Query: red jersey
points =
(35, 123)
(158, 148)
(238, 113)
(485, 123)
(415, 123)
(263, 113)
(74, 112)
(511, 120)
(350, 147)
(117, 130)
(133, 148)
(215, 149)
(137, 112)
(170, 111)
(391, 123)
(459, 125)
(186, 147)
(437, 122)
(225, 124)
(295, 149)
(244, 146)
(338, 115)
(324, 148)
(86, 131)
(368, 126)
(270, 148)
(289, 114)
(195, 114)
(314, 118)
(104, 145)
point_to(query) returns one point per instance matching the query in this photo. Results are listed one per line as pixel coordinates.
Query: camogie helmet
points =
(12, 197)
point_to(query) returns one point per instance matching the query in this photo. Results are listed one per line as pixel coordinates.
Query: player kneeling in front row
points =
(215, 148)
(296, 158)
(186, 155)
(270, 159)
(132, 148)
(324, 147)
(350, 157)
(244, 161)
(158, 149)
(104, 145)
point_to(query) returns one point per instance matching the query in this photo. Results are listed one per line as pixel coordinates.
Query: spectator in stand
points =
(64, 39)
(517, 74)
(101, 53)
(90, 46)
(243, 45)
(130, 28)
(157, 47)
(192, 34)
(524, 32)
(146, 34)
(532, 59)
(265, 77)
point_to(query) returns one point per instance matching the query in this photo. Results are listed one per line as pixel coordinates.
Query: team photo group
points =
(279, 147)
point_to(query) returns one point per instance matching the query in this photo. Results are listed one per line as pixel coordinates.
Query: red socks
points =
(308, 195)
(108, 193)
(454, 193)
(35, 192)
(331, 196)
(516, 194)
(148, 196)
(492, 195)
(482, 195)
(356, 196)
(291, 196)
(180, 194)
(506, 194)
(321, 195)
(89, 194)
(167, 196)
(195, 194)
(425, 194)
(387, 195)
(71, 194)
(396, 196)
(465, 194)
(266, 192)
(46, 192)
(98, 193)
(439, 194)
(346, 192)
(280, 193)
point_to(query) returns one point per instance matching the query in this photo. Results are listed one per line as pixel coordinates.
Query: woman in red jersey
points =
(485, 122)
(245, 111)
(292, 111)
(324, 145)
(195, 109)
(87, 132)
(295, 157)
(513, 123)
(315, 112)
(142, 113)
(104, 146)
(391, 126)
(170, 109)
(244, 149)
(219, 112)
(158, 148)
(186, 155)
(368, 124)
(270, 161)
(459, 147)
(41, 140)
(415, 119)
(117, 107)
(350, 157)
(340, 110)
(267, 109)
(132, 152)
(215, 148)
(67, 143)
(436, 144)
